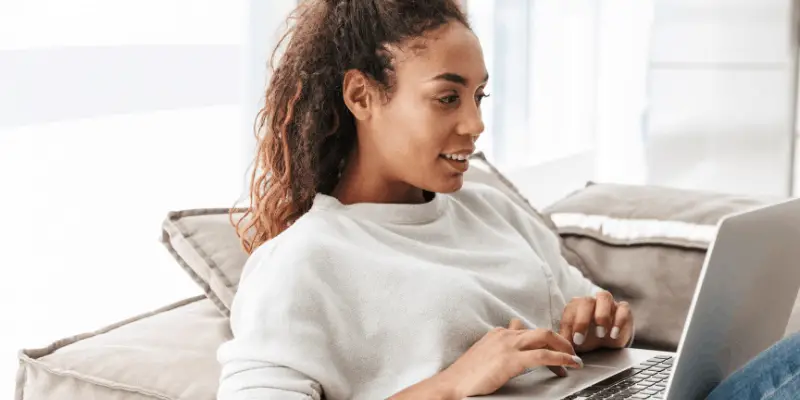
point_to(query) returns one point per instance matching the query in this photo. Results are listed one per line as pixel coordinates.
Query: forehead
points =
(451, 48)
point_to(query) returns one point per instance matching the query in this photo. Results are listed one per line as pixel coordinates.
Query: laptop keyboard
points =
(647, 380)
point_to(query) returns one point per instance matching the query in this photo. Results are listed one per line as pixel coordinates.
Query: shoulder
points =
(293, 256)
(311, 232)
(285, 274)
(282, 281)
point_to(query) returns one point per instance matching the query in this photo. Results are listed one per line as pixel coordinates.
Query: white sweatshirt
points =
(361, 301)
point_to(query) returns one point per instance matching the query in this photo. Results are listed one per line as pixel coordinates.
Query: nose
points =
(471, 121)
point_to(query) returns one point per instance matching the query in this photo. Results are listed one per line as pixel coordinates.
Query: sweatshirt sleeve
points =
(569, 279)
(279, 348)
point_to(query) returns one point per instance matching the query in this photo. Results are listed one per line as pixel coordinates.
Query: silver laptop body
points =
(741, 306)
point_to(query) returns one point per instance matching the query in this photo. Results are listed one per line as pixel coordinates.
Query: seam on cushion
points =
(209, 293)
(195, 277)
(25, 358)
(174, 219)
(632, 245)
(61, 343)
(95, 380)
(199, 249)
(637, 230)
(201, 211)
(149, 314)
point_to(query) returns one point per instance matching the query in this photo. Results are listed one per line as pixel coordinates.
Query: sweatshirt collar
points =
(397, 213)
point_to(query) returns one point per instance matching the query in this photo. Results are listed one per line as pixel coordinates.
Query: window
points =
(116, 113)
(568, 78)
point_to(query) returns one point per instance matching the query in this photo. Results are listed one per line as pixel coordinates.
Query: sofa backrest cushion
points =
(205, 244)
(647, 245)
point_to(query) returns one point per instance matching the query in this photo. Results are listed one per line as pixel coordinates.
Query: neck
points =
(364, 181)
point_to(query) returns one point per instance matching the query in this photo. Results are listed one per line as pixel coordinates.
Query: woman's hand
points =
(504, 353)
(595, 322)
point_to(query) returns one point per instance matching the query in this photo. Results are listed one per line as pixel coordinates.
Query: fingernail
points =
(578, 361)
(578, 338)
(615, 332)
(601, 331)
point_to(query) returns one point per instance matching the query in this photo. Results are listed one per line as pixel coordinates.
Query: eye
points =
(479, 98)
(450, 99)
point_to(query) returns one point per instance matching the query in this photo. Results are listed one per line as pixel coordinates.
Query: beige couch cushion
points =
(168, 354)
(647, 245)
(205, 244)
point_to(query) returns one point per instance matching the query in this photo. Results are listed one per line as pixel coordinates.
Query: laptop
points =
(744, 297)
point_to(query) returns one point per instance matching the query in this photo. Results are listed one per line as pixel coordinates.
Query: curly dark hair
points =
(305, 131)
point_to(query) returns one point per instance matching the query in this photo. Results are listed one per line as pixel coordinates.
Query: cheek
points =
(416, 129)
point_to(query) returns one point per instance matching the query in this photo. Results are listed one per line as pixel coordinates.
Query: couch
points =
(645, 244)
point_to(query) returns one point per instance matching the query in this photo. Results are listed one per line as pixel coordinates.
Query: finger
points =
(536, 358)
(568, 319)
(623, 319)
(603, 313)
(544, 338)
(583, 318)
(561, 372)
(516, 324)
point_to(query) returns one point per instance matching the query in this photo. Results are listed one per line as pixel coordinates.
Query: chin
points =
(449, 184)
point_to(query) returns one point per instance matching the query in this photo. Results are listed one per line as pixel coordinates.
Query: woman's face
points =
(429, 125)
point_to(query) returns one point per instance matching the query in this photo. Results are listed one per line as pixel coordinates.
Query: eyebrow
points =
(455, 78)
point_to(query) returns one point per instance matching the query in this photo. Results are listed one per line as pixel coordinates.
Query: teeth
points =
(458, 157)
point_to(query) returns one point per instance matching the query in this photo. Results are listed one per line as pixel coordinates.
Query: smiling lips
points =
(458, 161)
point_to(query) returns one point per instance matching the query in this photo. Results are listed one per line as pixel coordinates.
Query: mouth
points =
(455, 157)
(459, 161)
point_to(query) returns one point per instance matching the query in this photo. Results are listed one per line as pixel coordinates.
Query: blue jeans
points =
(772, 375)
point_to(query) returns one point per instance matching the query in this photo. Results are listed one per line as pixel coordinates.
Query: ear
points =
(357, 92)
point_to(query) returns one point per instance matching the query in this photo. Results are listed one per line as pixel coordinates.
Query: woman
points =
(375, 271)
